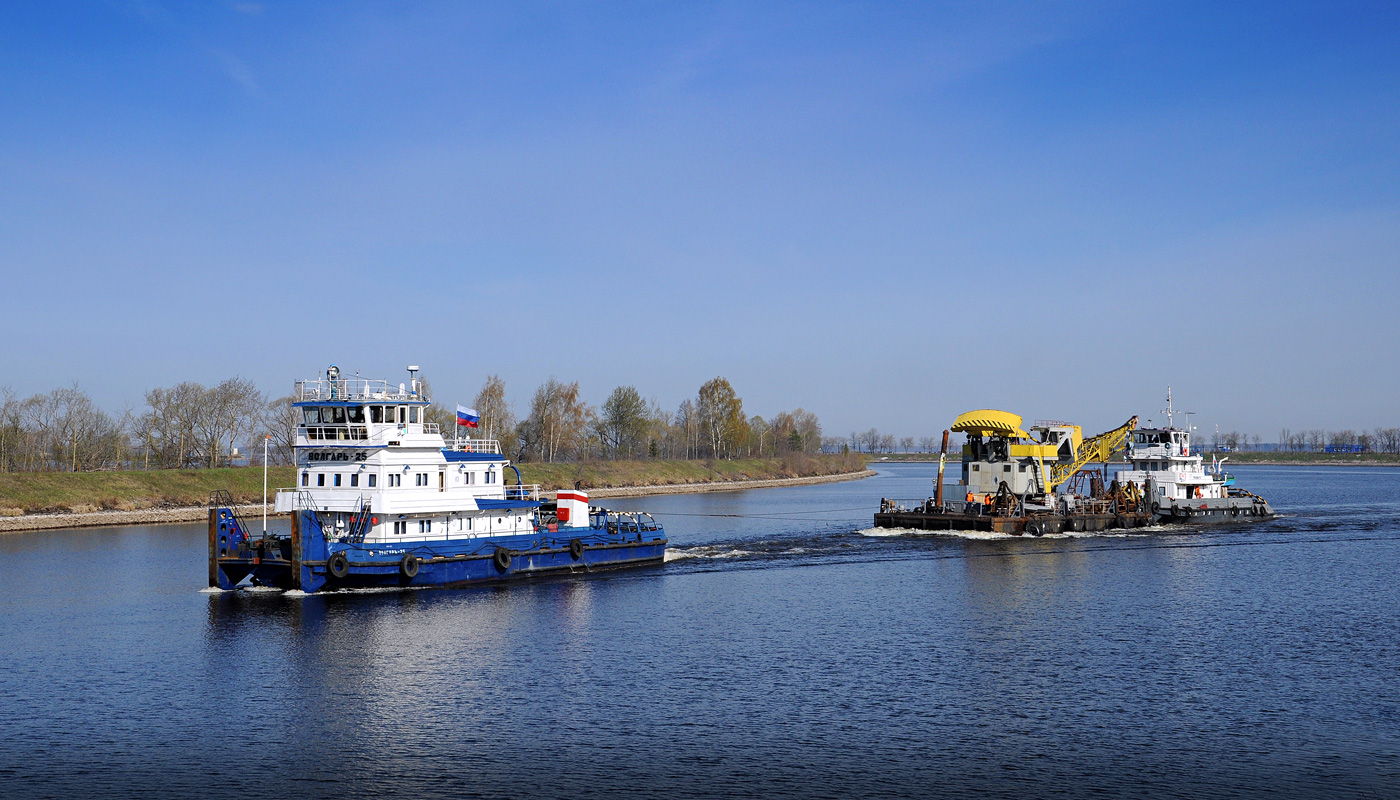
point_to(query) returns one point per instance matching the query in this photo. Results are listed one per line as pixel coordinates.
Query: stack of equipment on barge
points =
(1036, 482)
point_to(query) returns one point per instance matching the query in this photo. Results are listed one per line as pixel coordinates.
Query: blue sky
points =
(885, 213)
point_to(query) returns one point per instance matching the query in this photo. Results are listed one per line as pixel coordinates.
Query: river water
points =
(784, 650)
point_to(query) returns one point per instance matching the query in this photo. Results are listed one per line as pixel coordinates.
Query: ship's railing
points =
(476, 446)
(622, 521)
(527, 491)
(925, 505)
(339, 433)
(350, 389)
(342, 432)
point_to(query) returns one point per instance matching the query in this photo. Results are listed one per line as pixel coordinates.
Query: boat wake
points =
(706, 551)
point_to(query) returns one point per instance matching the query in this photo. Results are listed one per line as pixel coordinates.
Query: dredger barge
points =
(1042, 481)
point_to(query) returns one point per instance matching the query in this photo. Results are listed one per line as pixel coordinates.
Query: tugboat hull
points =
(308, 562)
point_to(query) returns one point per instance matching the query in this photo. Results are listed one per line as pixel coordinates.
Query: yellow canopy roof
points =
(990, 422)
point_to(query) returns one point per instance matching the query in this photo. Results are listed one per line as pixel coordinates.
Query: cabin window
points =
(337, 479)
(471, 478)
(402, 414)
(354, 479)
(425, 526)
(395, 479)
(320, 479)
(420, 479)
(976, 468)
(1006, 468)
(372, 476)
(305, 478)
(1023, 468)
(401, 527)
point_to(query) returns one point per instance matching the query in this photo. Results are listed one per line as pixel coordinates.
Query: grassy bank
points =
(608, 474)
(41, 492)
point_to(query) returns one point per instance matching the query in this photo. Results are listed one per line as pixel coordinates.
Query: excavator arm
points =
(1092, 449)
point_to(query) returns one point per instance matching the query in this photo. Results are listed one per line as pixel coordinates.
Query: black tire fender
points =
(408, 566)
(575, 549)
(338, 566)
(1035, 529)
(502, 559)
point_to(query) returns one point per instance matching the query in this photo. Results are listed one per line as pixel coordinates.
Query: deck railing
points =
(351, 389)
(476, 445)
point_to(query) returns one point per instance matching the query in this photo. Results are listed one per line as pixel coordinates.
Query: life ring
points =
(338, 565)
(502, 559)
(575, 549)
(408, 566)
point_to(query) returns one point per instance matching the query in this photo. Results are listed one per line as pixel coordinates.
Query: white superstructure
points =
(1162, 463)
(369, 460)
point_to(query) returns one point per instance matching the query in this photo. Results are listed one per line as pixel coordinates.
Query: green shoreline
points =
(24, 493)
(1261, 459)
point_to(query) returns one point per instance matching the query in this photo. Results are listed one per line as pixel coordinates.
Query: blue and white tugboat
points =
(382, 499)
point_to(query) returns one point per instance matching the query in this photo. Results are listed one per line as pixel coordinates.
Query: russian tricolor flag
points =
(467, 416)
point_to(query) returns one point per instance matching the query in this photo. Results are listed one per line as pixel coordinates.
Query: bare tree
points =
(558, 421)
(491, 405)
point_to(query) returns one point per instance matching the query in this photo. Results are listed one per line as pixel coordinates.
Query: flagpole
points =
(265, 438)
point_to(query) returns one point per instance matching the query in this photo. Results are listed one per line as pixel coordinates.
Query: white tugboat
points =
(383, 499)
(1176, 481)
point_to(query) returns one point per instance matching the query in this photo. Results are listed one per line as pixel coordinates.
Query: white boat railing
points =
(476, 446)
(354, 432)
(351, 389)
(339, 433)
(526, 491)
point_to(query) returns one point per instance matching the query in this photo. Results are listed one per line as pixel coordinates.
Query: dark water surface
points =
(782, 652)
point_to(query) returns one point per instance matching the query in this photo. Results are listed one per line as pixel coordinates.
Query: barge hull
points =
(1037, 525)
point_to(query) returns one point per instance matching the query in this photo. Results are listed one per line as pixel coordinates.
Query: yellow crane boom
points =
(1092, 449)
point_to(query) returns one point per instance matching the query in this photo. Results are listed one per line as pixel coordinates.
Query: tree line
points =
(560, 426)
(184, 426)
(1377, 440)
(190, 425)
